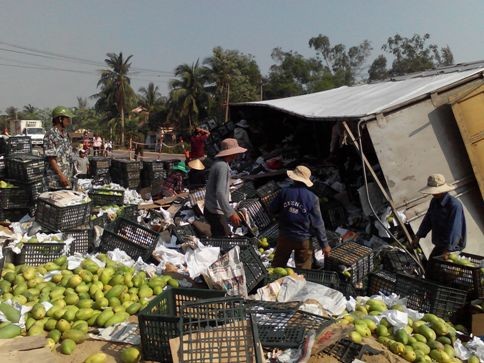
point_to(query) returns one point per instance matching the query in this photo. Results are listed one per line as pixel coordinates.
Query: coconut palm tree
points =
(115, 85)
(150, 98)
(188, 92)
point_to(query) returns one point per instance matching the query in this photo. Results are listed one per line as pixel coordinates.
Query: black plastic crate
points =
(99, 166)
(14, 198)
(130, 211)
(268, 199)
(12, 215)
(255, 271)
(256, 213)
(322, 277)
(346, 351)
(131, 237)
(35, 254)
(82, 239)
(35, 189)
(381, 282)
(25, 168)
(275, 331)
(461, 277)
(153, 165)
(125, 165)
(399, 261)
(271, 233)
(101, 197)
(3, 171)
(111, 241)
(57, 218)
(429, 297)
(228, 243)
(243, 192)
(127, 182)
(15, 145)
(219, 323)
(334, 214)
(159, 321)
(358, 258)
(267, 189)
(183, 232)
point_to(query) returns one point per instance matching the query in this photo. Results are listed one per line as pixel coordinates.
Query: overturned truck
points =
(424, 123)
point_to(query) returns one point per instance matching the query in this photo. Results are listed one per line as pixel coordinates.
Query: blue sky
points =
(163, 34)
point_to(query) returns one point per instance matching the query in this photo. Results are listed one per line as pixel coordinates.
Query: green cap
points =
(181, 166)
(62, 111)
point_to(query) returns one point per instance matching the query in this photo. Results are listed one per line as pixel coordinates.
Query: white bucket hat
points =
(301, 174)
(436, 184)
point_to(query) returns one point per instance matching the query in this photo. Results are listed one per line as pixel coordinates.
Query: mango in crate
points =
(264, 243)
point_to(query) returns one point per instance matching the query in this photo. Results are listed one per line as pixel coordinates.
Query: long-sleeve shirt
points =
(445, 218)
(173, 184)
(299, 214)
(217, 195)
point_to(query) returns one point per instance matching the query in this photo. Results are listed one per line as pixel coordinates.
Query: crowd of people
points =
(297, 208)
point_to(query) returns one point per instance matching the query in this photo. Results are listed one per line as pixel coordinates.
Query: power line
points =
(52, 55)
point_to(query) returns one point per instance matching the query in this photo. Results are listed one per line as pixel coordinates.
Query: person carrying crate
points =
(445, 218)
(299, 217)
(58, 151)
(217, 209)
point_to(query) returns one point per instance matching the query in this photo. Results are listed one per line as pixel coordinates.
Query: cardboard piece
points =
(329, 336)
(478, 324)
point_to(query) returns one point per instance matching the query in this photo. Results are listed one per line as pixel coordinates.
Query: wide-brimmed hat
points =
(436, 184)
(196, 164)
(230, 147)
(181, 167)
(243, 123)
(301, 174)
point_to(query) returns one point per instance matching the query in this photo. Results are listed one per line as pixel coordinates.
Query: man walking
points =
(217, 209)
(445, 218)
(299, 216)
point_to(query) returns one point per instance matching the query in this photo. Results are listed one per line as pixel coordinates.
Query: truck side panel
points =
(469, 114)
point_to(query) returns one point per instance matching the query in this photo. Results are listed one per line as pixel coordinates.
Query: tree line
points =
(204, 89)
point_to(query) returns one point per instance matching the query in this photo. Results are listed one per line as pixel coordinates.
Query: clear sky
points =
(163, 34)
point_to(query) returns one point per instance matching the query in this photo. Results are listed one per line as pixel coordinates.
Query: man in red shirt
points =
(197, 143)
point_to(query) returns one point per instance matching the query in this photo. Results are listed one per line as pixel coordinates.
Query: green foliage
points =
(344, 64)
(115, 92)
(235, 77)
(410, 55)
(187, 94)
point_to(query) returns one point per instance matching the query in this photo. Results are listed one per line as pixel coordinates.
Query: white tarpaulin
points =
(367, 99)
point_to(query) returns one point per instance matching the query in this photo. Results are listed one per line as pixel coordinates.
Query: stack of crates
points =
(72, 221)
(125, 173)
(99, 166)
(25, 172)
(153, 170)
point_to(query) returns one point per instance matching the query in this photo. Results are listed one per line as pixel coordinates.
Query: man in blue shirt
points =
(299, 218)
(445, 218)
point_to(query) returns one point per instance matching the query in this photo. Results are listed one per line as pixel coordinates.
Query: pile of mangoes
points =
(427, 340)
(88, 296)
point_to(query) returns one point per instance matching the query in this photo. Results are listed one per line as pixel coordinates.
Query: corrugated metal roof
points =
(367, 99)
